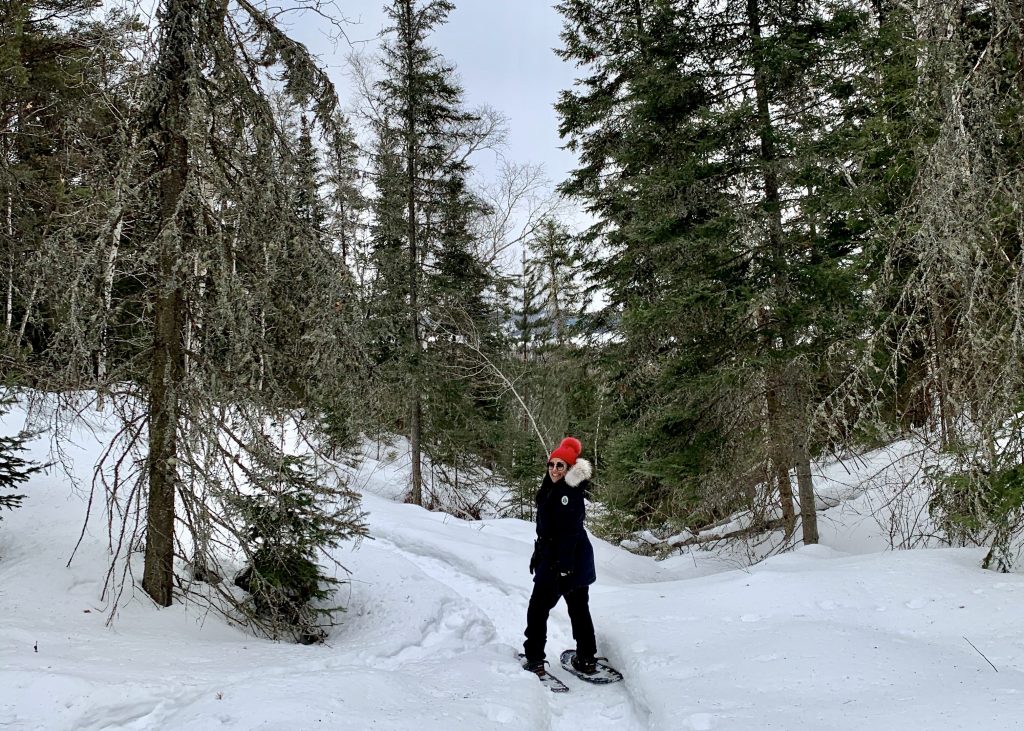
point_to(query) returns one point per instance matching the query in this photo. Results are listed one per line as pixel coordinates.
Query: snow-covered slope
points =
(814, 639)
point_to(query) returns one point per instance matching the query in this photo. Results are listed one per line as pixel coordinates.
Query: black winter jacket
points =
(563, 546)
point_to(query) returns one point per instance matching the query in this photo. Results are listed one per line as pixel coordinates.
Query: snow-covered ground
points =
(838, 636)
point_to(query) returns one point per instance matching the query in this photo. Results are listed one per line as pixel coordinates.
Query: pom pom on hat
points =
(568, 451)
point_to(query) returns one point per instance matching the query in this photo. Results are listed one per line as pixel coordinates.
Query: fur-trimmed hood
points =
(579, 473)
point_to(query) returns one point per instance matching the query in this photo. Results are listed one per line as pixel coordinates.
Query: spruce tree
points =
(554, 269)
(554, 290)
(637, 126)
(346, 200)
(62, 88)
(423, 136)
(697, 133)
(385, 292)
(217, 302)
(286, 523)
(14, 469)
(459, 302)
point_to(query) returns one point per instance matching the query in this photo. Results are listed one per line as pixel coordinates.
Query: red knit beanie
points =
(568, 451)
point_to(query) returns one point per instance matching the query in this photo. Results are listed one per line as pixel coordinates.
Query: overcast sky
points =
(502, 50)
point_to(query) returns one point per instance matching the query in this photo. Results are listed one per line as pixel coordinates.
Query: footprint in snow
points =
(700, 721)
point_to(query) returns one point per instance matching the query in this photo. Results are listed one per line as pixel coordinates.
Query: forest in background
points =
(806, 239)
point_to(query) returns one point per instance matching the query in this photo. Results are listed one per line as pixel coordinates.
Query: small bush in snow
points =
(14, 470)
(291, 517)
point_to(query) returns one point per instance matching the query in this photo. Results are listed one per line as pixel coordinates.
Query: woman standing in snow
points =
(563, 559)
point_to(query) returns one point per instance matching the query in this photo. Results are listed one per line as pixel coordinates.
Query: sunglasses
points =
(556, 465)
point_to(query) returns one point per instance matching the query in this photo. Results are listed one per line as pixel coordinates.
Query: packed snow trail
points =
(471, 576)
(861, 640)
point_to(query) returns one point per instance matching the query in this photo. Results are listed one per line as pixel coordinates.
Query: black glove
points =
(535, 558)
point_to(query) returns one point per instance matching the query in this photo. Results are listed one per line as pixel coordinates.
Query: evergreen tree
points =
(388, 281)
(459, 300)
(553, 271)
(210, 288)
(423, 138)
(697, 132)
(287, 522)
(346, 201)
(309, 205)
(529, 307)
(554, 293)
(636, 124)
(14, 469)
(62, 78)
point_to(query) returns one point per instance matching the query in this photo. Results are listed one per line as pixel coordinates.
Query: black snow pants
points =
(544, 598)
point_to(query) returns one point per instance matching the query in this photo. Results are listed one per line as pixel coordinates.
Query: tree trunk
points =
(262, 364)
(937, 378)
(805, 483)
(554, 296)
(415, 450)
(9, 298)
(167, 359)
(411, 151)
(109, 265)
(780, 458)
(525, 328)
(167, 369)
(780, 284)
(802, 456)
(108, 298)
(28, 312)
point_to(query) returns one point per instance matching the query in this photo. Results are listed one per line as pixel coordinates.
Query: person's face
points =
(556, 469)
